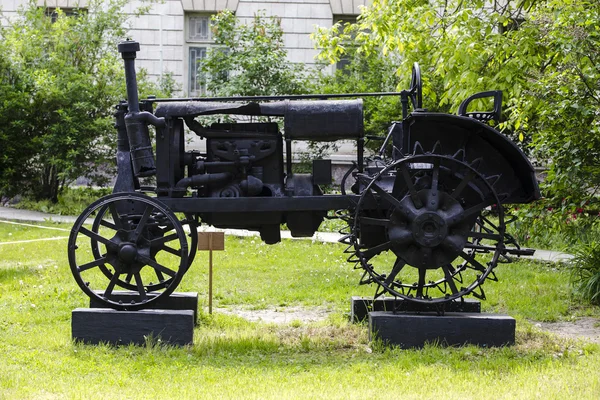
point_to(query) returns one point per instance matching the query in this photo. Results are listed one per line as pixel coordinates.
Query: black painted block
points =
(176, 301)
(96, 325)
(409, 330)
(360, 306)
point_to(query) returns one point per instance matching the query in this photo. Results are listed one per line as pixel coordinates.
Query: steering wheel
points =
(416, 87)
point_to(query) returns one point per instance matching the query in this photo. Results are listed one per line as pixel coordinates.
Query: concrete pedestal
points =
(360, 306)
(96, 325)
(176, 301)
(410, 330)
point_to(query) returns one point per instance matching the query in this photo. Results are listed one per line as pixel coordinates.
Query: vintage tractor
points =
(425, 215)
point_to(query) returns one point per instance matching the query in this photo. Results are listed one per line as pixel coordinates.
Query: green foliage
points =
(71, 201)
(59, 81)
(543, 54)
(586, 272)
(363, 74)
(251, 59)
(558, 226)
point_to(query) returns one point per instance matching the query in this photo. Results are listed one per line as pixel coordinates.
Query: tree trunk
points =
(50, 184)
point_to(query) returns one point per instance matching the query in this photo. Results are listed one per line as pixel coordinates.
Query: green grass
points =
(235, 358)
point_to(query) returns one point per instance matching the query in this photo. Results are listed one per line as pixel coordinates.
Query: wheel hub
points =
(128, 253)
(429, 229)
(428, 236)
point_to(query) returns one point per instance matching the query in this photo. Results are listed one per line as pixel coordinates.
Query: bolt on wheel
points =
(134, 243)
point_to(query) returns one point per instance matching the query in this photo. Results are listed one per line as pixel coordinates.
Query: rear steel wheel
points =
(421, 241)
(133, 241)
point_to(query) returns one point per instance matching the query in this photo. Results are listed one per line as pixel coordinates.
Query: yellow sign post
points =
(211, 241)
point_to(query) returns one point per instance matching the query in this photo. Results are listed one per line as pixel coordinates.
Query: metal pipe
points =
(284, 97)
(288, 157)
(203, 179)
(128, 51)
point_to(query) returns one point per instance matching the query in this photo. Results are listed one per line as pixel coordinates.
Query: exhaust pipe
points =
(136, 122)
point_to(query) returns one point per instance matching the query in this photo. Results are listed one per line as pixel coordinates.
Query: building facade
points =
(174, 34)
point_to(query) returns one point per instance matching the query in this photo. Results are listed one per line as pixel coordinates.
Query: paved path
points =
(14, 214)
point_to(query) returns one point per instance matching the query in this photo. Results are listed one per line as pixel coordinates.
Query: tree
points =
(544, 55)
(364, 73)
(59, 80)
(250, 59)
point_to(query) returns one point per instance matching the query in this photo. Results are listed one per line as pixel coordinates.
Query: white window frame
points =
(52, 12)
(196, 47)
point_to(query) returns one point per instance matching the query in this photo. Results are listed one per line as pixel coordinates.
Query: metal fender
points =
(490, 152)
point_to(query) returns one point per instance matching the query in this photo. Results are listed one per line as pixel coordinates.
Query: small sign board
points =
(211, 241)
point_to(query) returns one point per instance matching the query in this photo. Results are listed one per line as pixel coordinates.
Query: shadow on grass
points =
(18, 272)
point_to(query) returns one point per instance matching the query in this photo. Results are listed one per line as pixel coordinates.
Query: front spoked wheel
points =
(134, 243)
(161, 227)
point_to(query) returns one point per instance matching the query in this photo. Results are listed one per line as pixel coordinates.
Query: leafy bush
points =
(546, 225)
(59, 81)
(586, 272)
(71, 201)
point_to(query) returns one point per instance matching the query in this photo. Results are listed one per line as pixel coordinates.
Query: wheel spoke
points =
(426, 252)
(111, 284)
(398, 265)
(469, 212)
(115, 216)
(450, 278)
(108, 225)
(485, 235)
(96, 237)
(142, 223)
(171, 250)
(474, 263)
(434, 201)
(162, 240)
(157, 266)
(463, 184)
(421, 284)
(386, 196)
(159, 275)
(128, 277)
(480, 247)
(400, 236)
(92, 264)
(453, 242)
(411, 188)
(373, 251)
(140, 286)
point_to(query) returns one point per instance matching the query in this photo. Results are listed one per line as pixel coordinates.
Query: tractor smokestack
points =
(137, 122)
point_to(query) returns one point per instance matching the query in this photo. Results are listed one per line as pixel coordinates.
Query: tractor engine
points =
(250, 155)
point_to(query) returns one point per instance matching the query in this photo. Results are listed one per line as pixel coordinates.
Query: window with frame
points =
(52, 12)
(198, 41)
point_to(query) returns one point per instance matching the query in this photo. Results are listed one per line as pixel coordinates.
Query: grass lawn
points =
(235, 358)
